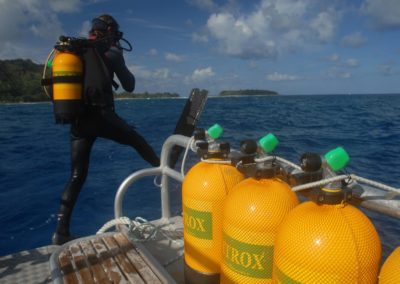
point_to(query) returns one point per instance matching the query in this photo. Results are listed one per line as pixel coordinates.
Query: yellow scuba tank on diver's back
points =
(204, 190)
(66, 79)
(327, 240)
(253, 210)
(67, 65)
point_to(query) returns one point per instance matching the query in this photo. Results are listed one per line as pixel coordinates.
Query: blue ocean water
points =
(34, 163)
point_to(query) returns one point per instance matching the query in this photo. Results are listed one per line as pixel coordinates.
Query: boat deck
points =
(29, 266)
(106, 258)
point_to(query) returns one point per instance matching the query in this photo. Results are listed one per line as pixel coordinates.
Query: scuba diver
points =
(99, 118)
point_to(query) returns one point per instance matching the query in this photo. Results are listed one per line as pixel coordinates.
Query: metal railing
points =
(384, 200)
(164, 170)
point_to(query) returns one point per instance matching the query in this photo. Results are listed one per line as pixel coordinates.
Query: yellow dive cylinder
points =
(326, 243)
(253, 211)
(204, 190)
(390, 271)
(67, 69)
(327, 240)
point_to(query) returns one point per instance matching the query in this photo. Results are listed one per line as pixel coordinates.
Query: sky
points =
(289, 46)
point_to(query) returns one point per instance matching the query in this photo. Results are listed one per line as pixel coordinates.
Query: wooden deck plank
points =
(126, 266)
(107, 261)
(66, 267)
(99, 275)
(81, 266)
(126, 246)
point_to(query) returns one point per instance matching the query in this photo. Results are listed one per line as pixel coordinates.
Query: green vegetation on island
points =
(146, 95)
(20, 82)
(248, 93)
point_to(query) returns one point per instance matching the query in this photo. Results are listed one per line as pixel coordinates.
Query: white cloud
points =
(354, 40)
(174, 57)
(384, 13)
(337, 61)
(162, 73)
(21, 19)
(287, 7)
(65, 6)
(11, 21)
(351, 62)
(324, 24)
(142, 72)
(203, 4)
(338, 74)
(37, 16)
(345, 75)
(10, 50)
(153, 52)
(86, 26)
(334, 57)
(387, 69)
(156, 80)
(272, 27)
(281, 77)
(199, 38)
(240, 37)
(201, 74)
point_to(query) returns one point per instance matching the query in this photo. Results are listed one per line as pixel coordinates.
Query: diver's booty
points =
(59, 239)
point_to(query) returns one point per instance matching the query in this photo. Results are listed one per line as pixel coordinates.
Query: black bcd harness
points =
(96, 78)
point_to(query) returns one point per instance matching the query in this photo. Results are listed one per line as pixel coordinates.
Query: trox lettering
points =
(244, 258)
(198, 223)
(195, 223)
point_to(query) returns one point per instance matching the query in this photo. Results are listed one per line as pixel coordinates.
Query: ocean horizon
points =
(35, 155)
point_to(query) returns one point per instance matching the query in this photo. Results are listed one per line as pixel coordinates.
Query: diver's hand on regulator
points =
(115, 56)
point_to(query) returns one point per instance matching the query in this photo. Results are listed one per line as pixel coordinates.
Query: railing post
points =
(165, 171)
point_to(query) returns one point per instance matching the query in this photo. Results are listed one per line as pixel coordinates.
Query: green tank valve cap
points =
(215, 131)
(337, 158)
(268, 143)
(49, 64)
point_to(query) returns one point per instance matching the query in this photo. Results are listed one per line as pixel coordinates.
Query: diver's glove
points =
(115, 57)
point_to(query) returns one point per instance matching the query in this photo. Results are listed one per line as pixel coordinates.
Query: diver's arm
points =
(116, 59)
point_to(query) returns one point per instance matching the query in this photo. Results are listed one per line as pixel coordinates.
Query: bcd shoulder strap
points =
(97, 80)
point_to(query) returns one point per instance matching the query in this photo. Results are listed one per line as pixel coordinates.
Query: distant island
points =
(248, 93)
(20, 82)
(146, 95)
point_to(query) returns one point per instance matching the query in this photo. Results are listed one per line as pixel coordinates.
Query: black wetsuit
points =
(99, 121)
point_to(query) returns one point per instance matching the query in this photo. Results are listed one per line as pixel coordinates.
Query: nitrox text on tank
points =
(204, 190)
(252, 213)
(327, 240)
